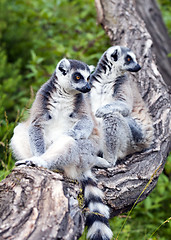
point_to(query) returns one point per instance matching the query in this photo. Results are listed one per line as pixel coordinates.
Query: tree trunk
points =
(150, 13)
(39, 204)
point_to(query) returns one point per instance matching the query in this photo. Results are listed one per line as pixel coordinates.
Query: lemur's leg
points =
(57, 156)
(20, 142)
(116, 137)
(72, 156)
(136, 132)
(122, 136)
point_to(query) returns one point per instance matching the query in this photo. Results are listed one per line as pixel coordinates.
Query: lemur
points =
(57, 135)
(123, 119)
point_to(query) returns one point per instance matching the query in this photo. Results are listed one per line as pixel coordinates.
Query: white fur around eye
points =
(133, 56)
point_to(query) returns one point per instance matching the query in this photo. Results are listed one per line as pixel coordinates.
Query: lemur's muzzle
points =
(135, 69)
(85, 89)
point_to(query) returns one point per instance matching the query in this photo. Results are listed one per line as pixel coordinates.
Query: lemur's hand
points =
(76, 134)
(81, 129)
(112, 108)
(33, 161)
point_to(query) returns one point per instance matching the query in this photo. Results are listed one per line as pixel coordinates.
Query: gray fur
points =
(36, 140)
(120, 111)
(59, 134)
(59, 108)
(81, 129)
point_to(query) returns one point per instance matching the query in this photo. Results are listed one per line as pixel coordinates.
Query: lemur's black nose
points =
(86, 88)
(137, 68)
(134, 69)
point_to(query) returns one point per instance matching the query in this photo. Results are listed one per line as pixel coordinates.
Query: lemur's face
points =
(123, 59)
(79, 81)
(73, 76)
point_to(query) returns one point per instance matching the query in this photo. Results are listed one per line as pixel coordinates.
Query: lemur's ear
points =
(91, 67)
(63, 66)
(114, 55)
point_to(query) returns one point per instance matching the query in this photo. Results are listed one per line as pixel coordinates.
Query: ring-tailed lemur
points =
(120, 111)
(57, 135)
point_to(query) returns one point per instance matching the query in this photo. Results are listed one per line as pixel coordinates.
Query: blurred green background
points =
(34, 36)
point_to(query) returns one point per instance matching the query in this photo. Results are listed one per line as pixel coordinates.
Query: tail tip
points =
(99, 231)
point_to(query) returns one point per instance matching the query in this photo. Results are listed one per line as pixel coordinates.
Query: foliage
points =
(165, 6)
(34, 36)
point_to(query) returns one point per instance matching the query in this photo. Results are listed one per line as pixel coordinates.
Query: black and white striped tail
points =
(97, 213)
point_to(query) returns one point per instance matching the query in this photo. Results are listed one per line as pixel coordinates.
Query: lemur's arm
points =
(36, 138)
(82, 129)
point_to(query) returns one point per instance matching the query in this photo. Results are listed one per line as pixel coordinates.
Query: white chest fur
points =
(101, 95)
(60, 121)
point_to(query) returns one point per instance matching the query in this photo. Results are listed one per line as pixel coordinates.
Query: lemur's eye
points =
(88, 79)
(129, 59)
(77, 76)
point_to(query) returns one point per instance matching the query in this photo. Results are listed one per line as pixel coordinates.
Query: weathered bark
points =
(39, 204)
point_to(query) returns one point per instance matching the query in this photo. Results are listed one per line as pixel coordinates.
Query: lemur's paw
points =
(34, 161)
(125, 112)
(78, 134)
(106, 110)
(101, 163)
(71, 133)
(75, 134)
(109, 109)
(24, 162)
(112, 162)
(102, 111)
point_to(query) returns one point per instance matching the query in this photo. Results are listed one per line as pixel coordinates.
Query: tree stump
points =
(36, 203)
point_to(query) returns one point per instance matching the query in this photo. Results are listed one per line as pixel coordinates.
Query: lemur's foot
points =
(101, 163)
(34, 161)
(24, 162)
